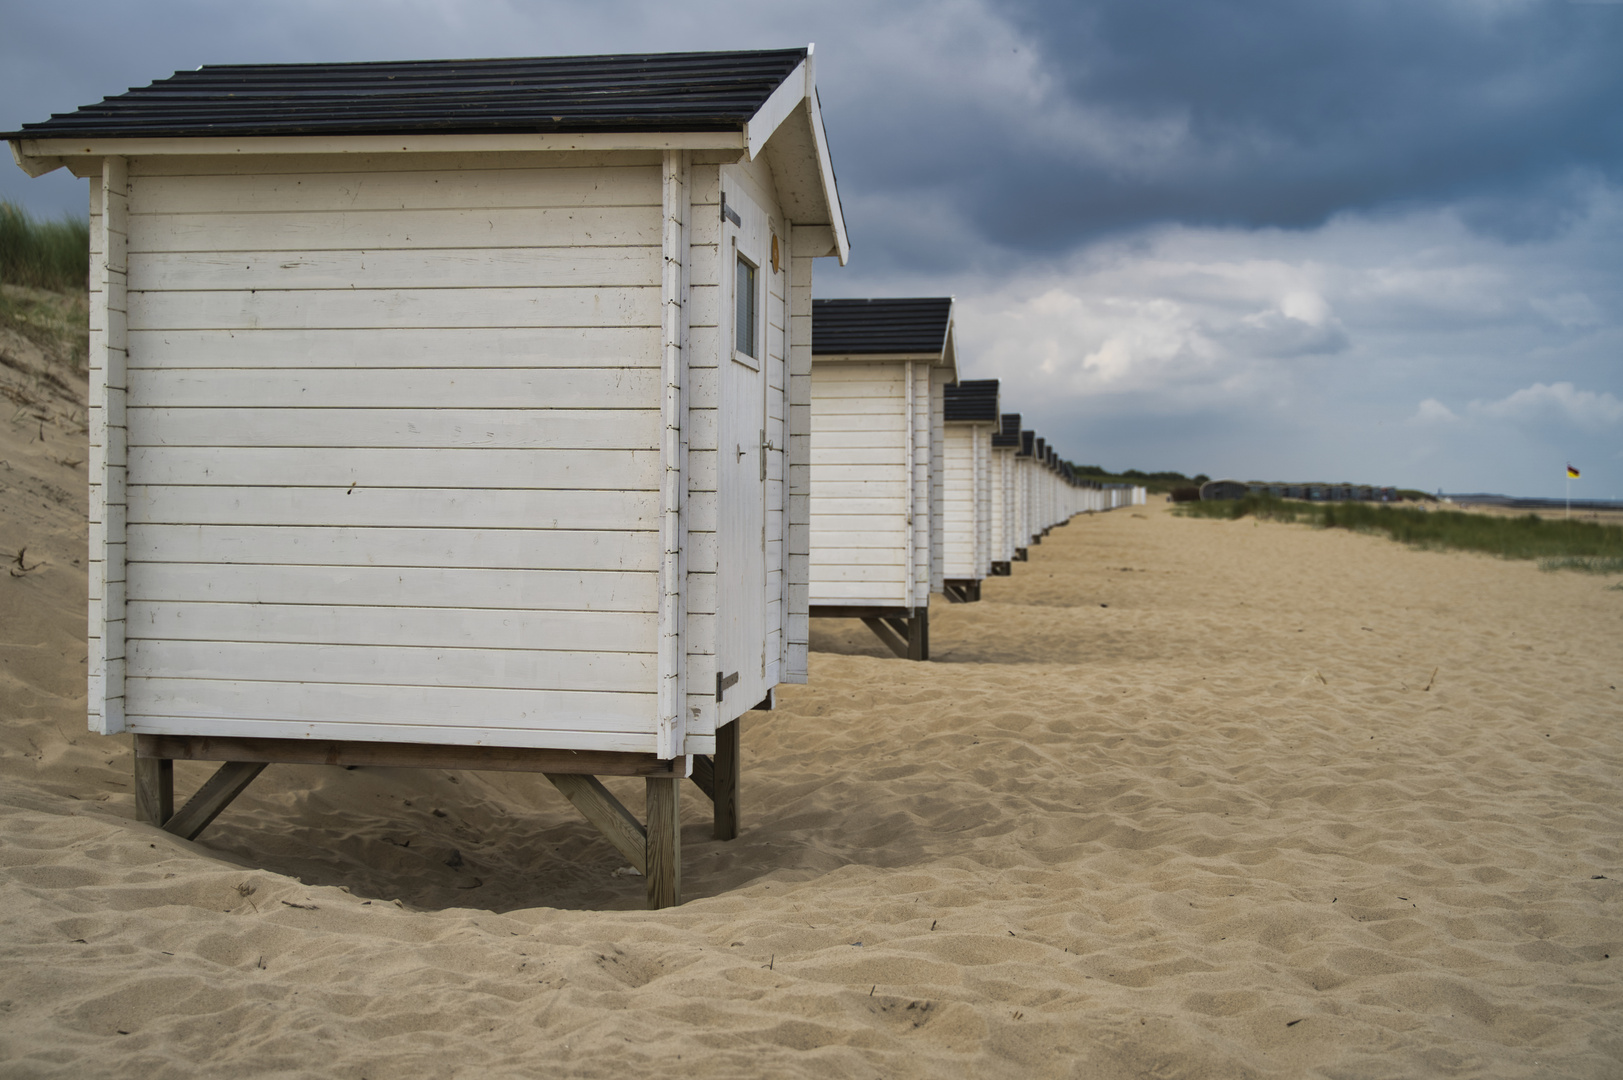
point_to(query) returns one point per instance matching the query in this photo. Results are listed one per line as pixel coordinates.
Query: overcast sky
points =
(1368, 240)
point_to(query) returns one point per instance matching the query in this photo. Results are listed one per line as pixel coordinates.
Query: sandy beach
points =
(1181, 798)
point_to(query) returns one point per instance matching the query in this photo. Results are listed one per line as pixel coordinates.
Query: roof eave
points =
(39, 156)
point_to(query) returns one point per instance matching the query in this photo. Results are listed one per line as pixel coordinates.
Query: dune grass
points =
(1557, 545)
(51, 255)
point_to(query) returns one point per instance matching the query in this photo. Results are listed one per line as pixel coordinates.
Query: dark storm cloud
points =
(1267, 113)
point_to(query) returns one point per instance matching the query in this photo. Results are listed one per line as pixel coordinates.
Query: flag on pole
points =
(1572, 474)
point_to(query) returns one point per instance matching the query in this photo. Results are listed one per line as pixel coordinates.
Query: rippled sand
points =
(1180, 798)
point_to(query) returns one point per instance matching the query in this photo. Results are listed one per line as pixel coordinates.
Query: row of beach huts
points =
(478, 415)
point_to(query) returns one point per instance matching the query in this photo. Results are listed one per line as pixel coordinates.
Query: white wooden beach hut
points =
(1005, 443)
(970, 421)
(452, 414)
(879, 370)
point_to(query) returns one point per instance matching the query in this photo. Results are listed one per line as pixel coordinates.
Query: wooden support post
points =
(897, 643)
(228, 781)
(725, 796)
(918, 637)
(154, 790)
(599, 806)
(664, 858)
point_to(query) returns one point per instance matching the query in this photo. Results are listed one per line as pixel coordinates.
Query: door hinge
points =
(723, 683)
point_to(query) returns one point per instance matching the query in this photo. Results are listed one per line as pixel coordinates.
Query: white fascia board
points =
(801, 87)
(778, 107)
(66, 150)
(830, 192)
(32, 164)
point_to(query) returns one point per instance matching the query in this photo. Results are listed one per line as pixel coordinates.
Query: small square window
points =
(744, 316)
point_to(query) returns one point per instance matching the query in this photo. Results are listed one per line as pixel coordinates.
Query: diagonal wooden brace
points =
(228, 781)
(895, 642)
(599, 806)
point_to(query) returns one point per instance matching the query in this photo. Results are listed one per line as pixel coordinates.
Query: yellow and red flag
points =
(1572, 474)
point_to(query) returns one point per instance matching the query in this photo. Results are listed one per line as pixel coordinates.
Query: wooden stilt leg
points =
(664, 843)
(918, 635)
(726, 780)
(154, 790)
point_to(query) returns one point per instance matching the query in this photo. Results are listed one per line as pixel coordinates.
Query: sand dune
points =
(1180, 798)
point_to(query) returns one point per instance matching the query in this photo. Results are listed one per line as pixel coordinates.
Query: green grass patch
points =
(1558, 545)
(51, 255)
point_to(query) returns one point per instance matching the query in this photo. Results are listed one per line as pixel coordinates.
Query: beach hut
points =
(1005, 443)
(971, 419)
(879, 372)
(452, 414)
(1224, 489)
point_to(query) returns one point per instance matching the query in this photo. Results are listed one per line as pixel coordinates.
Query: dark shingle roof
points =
(709, 91)
(855, 327)
(1028, 443)
(1009, 434)
(973, 399)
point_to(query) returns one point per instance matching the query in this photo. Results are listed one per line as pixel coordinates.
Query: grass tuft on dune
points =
(1558, 545)
(51, 255)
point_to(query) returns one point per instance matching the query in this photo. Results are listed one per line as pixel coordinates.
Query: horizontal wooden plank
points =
(396, 468)
(393, 507)
(511, 549)
(896, 537)
(440, 349)
(408, 388)
(462, 268)
(831, 371)
(832, 490)
(893, 519)
(489, 628)
(873, 457)
(411, 230)
(825, 411)
(824, 557)
(260, 192)
(402, 755)
(394, 308)
(394, 665)
(391, 587)
(824, 474)
(587, 429)
(832, 592)
(826, 389)
(452, 737)
(825, 575)
(302, 706)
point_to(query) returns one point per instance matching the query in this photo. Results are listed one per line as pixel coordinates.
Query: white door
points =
(742, 468)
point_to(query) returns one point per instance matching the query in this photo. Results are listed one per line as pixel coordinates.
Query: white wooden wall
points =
(939, 378)
(394, 434)
(864, 432)
(968, 509)
(922, 511)
(958, 505)
(1001, 492)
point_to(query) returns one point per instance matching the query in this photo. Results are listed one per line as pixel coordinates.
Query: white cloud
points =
(1557, 404)
(1432, 411)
